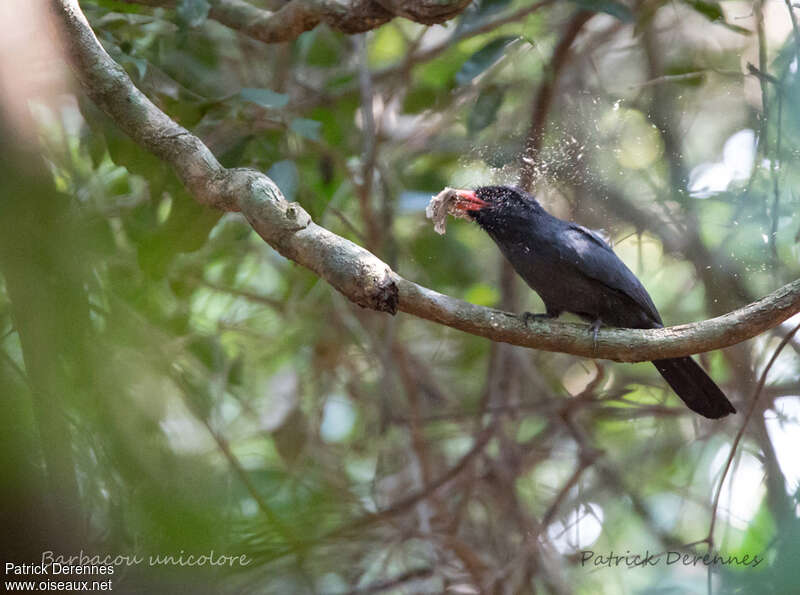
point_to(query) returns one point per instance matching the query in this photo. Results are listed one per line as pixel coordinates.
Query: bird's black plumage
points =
(574, 270)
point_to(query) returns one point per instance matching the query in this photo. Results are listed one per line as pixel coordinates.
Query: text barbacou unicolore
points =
(83, 563)
(646, 559)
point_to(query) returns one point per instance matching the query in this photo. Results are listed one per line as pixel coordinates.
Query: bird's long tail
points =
(694, 387)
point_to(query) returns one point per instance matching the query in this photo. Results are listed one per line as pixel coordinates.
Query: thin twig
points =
(758, 8)
(394, 582)
(370, 146)
(795, 30)
(774, 172)
(762, 75)
(411, 500)
(429, 54)
(753, 403)
(544, 97)
(671, 78)
(256, 298)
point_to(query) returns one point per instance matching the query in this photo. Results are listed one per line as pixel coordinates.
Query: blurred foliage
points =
(203, 393)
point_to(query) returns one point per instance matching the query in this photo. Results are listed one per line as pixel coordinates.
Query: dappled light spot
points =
(338, 419)
(579, 529)
(743, 489)
(738, 156)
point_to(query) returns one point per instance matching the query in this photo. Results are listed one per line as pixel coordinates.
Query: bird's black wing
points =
(592, 257)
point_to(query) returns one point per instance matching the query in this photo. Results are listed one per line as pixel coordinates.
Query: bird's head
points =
(492, 206)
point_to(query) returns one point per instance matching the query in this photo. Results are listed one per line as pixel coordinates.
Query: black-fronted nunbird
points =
(574, 270)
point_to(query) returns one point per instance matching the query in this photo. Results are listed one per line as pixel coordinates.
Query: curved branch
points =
(288, 21)
(109, 86)
(623, 345)
(298, 16)
(359, 275)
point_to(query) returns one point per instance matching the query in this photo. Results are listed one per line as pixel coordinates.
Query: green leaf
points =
(189, 223)
(387, 47)
(612, 7)
(419, 98)
(478, 13)
(119, 6)
(711, 10)
(306, 128)
(94, 144)
(321, 47)
(336, 121)
(192, 13)
(440, 74)
(284, 174)
(529, 427)
(209, 351)
(264, 97)
(486, 7)
(131, 62)
(760, 531)
(482, 294)
(686, 69)
(292, 436)
(483, 59)
(485, 109)
(736, 28)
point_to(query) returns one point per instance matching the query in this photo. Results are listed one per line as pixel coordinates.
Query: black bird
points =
(574, 270)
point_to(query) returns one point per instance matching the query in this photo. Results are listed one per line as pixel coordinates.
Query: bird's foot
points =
(593, 328)
(530, 316)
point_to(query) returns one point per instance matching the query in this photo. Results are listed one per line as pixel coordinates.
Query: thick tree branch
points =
(627, 345)
(355, 272)
(110, 88)
(297, 16)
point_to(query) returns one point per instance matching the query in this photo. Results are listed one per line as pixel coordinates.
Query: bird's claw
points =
(528, 316)
(594, 328)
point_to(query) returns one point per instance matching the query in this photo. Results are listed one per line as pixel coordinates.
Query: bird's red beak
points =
(468, 201)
